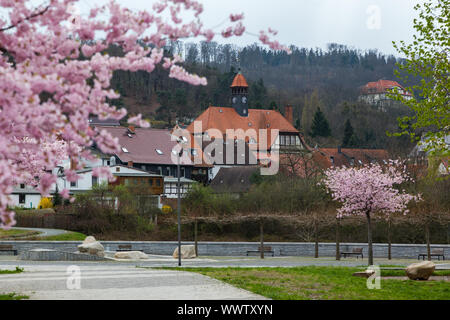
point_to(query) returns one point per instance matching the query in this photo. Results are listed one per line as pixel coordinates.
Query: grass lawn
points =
(12, 296)
(16, 233)
(18, 270)
(325, 283)
(69, 236)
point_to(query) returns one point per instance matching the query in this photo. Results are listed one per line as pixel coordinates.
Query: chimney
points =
(289, 114)
(130, 164)
(132, 129)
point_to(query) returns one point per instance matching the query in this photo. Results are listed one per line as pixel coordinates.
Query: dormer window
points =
(158, 151)
(125, 150)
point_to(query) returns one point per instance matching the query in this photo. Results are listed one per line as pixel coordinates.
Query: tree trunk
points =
(389, 240)
(156, 219)
(338, 250)
(261, 233)
(316, 238)
(196, 237)
(427, 238)
(448, 233)
(369, 238)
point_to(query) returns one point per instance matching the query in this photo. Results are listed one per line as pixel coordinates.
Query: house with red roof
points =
(339, 157)
(264, 132)
(377, 93)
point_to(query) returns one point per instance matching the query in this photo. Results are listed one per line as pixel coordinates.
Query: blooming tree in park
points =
(55, 74)
(369, 190)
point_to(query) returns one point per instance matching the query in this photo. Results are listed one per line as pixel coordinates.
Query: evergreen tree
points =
(273, 106)
(258, 94)
(348, 133)
(320, 126)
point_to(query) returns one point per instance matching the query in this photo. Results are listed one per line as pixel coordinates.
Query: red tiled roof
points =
(239, 81)
(223, 119)
(143, 145)
(382, 86)
(359, 156)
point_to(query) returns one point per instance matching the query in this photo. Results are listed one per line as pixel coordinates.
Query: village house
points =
(339, 157)
(239, 125)
(235, 180)
(150, 150)
(124, 176)
(25, 197)
(377, 93)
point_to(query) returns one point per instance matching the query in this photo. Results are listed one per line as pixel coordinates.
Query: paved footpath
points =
(136, 281)
(44, 232)
(116, 282)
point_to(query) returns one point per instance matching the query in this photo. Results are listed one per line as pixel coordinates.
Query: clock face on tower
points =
(244, 100)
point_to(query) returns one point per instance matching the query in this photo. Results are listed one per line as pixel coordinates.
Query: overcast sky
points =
(363, 24)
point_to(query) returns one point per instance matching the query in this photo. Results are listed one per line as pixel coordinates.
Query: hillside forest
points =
(322, 86)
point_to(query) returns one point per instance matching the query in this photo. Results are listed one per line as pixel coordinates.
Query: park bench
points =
(266, 250)
(126, 247)
(355, 252)
(8, 248)
(435, 253)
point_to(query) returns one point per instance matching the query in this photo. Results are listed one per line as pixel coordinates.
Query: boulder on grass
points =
(130, 255)
(94, 248)
(187, 252)
(421, 270)
(89, 239)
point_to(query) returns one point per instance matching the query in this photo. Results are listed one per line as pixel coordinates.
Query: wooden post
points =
(427, 236)
(338, 250)
(316, 237)
(389, 240)
(261, 232)
(196, 237)
(369, 238)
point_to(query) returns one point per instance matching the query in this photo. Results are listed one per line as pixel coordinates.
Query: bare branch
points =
(34, 15)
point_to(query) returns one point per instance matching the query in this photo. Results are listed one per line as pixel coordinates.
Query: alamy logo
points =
(233, 147)
(74, 278)
(374, 19)
(374, 281)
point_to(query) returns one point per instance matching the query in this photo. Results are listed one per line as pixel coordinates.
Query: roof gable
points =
(145, 146)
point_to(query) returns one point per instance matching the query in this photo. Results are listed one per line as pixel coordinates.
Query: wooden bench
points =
(435, 253)
(126, 247)
(8, 248)
(266, 250)
(355, 252)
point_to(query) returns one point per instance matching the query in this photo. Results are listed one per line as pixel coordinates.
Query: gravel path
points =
(117, 282)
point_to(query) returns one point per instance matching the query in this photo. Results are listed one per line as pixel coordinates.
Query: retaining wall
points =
(236, 248)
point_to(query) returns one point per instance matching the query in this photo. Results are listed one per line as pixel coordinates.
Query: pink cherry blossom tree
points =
(368, 190)
(55, 74)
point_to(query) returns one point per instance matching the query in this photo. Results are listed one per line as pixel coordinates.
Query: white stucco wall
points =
(31, 200)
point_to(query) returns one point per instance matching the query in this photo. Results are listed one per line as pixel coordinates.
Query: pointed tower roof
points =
(239, 81)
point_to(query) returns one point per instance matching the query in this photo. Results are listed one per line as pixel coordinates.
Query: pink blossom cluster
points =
(369, 189)
(55, 74)
(273, 44)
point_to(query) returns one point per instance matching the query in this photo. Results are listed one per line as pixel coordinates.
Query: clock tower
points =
(239, 95)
